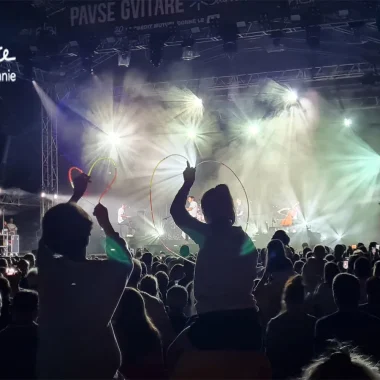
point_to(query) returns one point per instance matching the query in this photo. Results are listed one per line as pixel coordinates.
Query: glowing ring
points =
(70, 174)
(114, 176)
(201, 163)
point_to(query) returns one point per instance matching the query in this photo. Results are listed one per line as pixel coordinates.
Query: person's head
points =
(294, 294)
(298, 265)
(276, 259)
(144, 269)
(3, 263)
(154, 267)
(330, 271)
(24, 308)
(311, 274)
(282, 236)
(132, 318)
(305, 245)
(148, 284)
(346, 291)
(11, 220)
(211, 203)
(190, 198)
(66, 230)
(162, 281)
(184, 251)
(189, 269)
(123, 206)
(147, 259)
(376, 269)
(330, 257)
(362, 268)
(31, 259)
(319, 252)
(23, 267)
(176, 298)
(32, 279)
(238, 202)
(162, 268)
(341, 365)
(135, 276)
(339, 252)
(373, 290)
(305, 251)
(176, 273)
(351, 263)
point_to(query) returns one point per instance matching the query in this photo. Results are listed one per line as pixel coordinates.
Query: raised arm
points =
(194, 228)
(116, 247)
(80, 187)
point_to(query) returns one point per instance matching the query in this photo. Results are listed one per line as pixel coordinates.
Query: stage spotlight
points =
(55, 196)
(253, 129)
(339, 237)
(198, 102)
(291, 96)
(347, 122)
(192, 134)
(43, 194)
(113, 139)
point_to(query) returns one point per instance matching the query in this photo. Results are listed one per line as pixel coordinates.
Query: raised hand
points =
(80, 185)
(189, 174)
(101, 214)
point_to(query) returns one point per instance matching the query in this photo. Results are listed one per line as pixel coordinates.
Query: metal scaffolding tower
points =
(49, 154)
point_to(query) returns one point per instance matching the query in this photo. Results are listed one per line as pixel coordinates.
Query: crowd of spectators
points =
(230, 310)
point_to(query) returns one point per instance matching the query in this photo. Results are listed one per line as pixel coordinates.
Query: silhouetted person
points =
(176, 301)
(148, 284)
(139, 340)
(147, 259)
(78, 297)
(342, 365)
(290, 335)
(163, 281)
(362, 270)
(225, 271)
(348, 324)
(268, 292)
(18, 341)
(323, 299)
(373, 294)
(135, 276)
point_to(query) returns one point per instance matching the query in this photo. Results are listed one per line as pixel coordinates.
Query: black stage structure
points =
(231, 45)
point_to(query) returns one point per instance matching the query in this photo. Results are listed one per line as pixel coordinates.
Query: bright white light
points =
(192, 134)
(55, 196)
(291, 96)
(160, 232)
(198, 101)
(253, 129)
(339, 237)
(347, 122)
(113, 138)
(43, 194)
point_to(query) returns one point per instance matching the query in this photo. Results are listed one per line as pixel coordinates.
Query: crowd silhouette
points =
(230, 310)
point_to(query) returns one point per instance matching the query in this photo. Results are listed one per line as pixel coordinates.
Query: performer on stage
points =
(121, 214)
(192, 210)
(12, 228)
(122, 220)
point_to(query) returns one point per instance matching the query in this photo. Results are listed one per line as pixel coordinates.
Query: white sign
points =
(7, 76)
